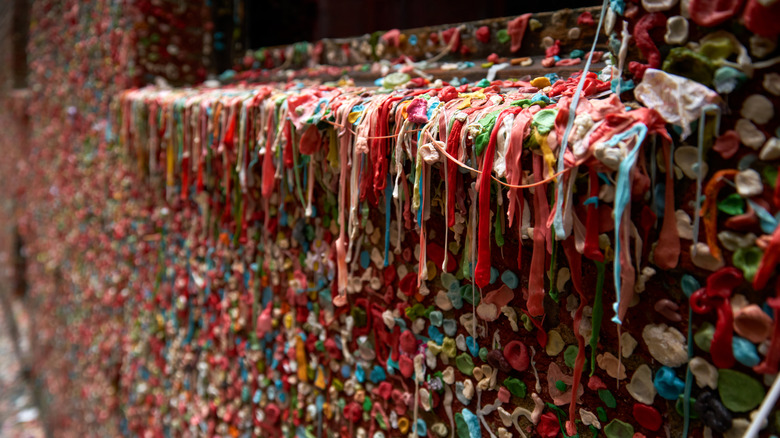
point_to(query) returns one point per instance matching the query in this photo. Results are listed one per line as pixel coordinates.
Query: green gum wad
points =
(486, 123)
(618, 429)
(748, 260)
(703, 337)
(461, 427)
(607, 398)
(732, 204)
(515, 386)
(570, 355)
(467, 292)
(448, 347)
(497, 226)
(602, 414)
(544, 120)
(527, 322)
(359, 315)
(502, 36)
(770, 175)
(395, 79)
(525, 103)
(465, 364)
(418, 311)
(530, 142)
(381, 422)
(717, 48)
(678, 406)
(689, 64)
(738, 391)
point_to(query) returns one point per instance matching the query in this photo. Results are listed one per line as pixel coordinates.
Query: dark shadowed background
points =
(252, 24)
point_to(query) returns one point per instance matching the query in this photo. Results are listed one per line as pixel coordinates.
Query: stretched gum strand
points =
(511, 186)
(709, 209)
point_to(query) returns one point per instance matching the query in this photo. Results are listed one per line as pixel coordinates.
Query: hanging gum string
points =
(700, 164)
(667, 252)
(598, 312)
(511, 186)
(575, 263)
(541, 240)
(463, 165)
(219, 105)
(622, 198)
(709, 210)
(482, 269)
(558, 220)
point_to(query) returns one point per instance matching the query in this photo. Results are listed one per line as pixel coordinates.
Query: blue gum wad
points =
(472, 425)
(689, 285)
(668, 385)
(422, 427)
(450, 327)
(435, 334)
(471, 343)
(435, 318)
(377, 374)
(509, 279)
(493, 275)
(728, 79)
(745, 352)
(455, 298)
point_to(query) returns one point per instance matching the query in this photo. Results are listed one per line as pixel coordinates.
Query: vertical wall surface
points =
(58, 176)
